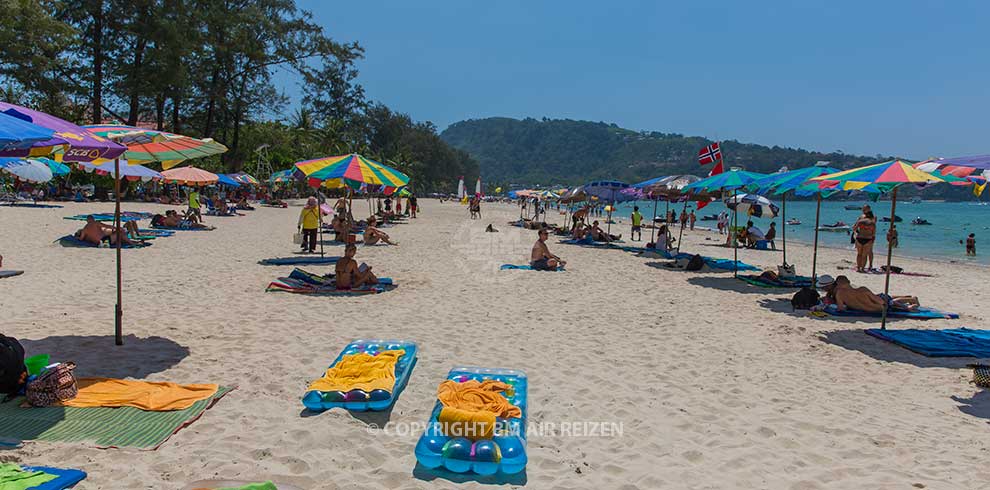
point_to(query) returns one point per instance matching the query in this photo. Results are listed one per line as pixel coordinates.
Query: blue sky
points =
(907, 78)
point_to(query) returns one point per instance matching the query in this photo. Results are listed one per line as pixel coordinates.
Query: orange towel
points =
(155, 396)
(360, 372)
(464, 423)
(475, 397)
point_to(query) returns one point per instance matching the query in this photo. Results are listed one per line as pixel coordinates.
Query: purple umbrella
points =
(83, 145)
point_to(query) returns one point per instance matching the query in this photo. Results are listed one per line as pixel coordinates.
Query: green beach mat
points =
(102, 427)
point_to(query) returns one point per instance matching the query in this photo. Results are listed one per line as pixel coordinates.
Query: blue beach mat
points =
(588, 242)
(508, 267)
(921, 314)
(181, 228)
(304, 260)
(66, 478)
(73, 242)
(104, 217)
(780, 282)
(955, 342)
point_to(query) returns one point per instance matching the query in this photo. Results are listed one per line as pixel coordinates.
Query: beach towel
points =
(895, 271)
(102, 427)
(156, 396)
(71, 241)
(105, 217)
(472, 424)
(921, 314)
(954, 342)
(5, 274)
(182, 228)
(780, 282)
(64, 477)
(527, 267)
(378, 368)
(158, 233)
(588, 242)
(475, 396)
(302, 260)
(13, 477)
(303, 282)
(723, 264)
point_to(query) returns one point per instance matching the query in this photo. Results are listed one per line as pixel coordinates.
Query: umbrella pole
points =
(319, 216)
(653, 222)
(890, 250)
(118, 310)
(735, 241)
(680, 234)
(783, 222)
(814, 256)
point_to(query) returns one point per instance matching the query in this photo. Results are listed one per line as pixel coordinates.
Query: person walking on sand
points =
(691, 219)
(637, 225)
(309, 223)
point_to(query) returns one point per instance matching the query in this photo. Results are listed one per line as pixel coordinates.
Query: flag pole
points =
(890, 250)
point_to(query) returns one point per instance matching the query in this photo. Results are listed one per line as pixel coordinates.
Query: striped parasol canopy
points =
(84, 146)
(244, 178)
(954, 174)
(725, 181)
(168, 148)
(127, 171)
(18, 136)
(882, 176)
(336, 170)
(189, 176)
(282, 176)
(27, 170)
(58, 169)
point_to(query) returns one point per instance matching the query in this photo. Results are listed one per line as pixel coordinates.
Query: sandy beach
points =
(710, 382)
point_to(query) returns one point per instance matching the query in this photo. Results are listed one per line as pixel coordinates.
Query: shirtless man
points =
(372, 235)
(93, 231)
(173, 220)
(541, 259)
(579, 215)
(862, 299)
(349, 274)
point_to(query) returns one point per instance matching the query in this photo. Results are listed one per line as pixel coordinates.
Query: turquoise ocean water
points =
(951, 222)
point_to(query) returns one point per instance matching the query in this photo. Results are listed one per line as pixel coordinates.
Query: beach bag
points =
(57, 384)
(695, 264)
(785, 270)
(12, 370)
(805, 299)
(981, 375)
(157, 220)
(297, 238)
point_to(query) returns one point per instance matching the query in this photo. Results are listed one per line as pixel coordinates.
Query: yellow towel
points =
(476, 397)
(464, 423)
(156, 396)
(360, 372)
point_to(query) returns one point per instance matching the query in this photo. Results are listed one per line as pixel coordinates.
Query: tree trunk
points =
(135, 102)
(160, 111)
(211, 105)
(98, 18)
(176, 127)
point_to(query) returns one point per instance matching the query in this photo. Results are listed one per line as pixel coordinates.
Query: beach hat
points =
(825, 281)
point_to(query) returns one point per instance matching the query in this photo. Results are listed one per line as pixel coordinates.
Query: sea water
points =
(950, 223)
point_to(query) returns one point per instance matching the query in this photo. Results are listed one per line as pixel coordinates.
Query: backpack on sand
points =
(12, 370)
(695, 264)
(805, 299)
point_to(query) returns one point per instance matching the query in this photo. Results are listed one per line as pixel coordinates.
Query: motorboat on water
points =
(710, 217)
(837, 226)
(920, 221)
(853, 207)
(794, 221)
(897, 219)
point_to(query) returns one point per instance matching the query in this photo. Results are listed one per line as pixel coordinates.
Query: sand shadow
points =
(666, 266)
(881, 350)
(724, 283)
(96, 355)
(977, 405)
(421, 472)
(35, 206)
(783, 305)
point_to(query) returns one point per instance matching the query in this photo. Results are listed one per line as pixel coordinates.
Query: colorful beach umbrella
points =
(725, 181)
(354, 168)
(83, 145)
(282, 176)
(752, 205)
(127, 170)
(224, 179)
(168, 148)
(58, 169)
(26, 170)
(189, 176)
(20, 136)
(244, 178)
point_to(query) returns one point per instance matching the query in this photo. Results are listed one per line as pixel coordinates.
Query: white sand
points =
(716, 384)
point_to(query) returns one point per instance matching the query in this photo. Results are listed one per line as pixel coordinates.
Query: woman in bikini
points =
(865, 229)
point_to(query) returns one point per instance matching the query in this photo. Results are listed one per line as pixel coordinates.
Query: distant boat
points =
(916, 200)
(794, 221)
(710, 217)
(837, 226)
(853, 207)
(920, 221)
(897, 219)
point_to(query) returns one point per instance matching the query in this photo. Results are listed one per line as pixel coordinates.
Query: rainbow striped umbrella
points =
(244, 178)
(282, 176)
(883, 176)
(168, 148)
(353, 168)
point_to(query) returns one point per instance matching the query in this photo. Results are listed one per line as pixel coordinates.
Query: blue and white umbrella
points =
(752, 205)
(26, 170)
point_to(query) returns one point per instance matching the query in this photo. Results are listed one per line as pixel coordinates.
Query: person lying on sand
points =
(351, 275)
(599, 235)
(540, 258)
(93, 231)
(372, 235)
(173, 220)
(845, 296)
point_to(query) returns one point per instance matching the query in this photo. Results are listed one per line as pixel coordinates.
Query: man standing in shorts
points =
(194, 204)
(637, 225)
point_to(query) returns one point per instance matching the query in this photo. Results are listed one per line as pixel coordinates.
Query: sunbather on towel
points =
(845, 296)
(580, 231)
(599, 235)
(372, 234)
(173, 220)
(541, 259)
(351, 275)
(340, 227)
(93, 231)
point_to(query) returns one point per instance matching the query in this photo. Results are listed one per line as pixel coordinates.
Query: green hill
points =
(531, 151)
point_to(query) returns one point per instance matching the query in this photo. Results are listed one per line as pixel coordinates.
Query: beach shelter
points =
(79, 145)
(168, 148)
(886, 177)
(244, 178)
(58, 168)
(21, 138)
(127, 171)
(190, 176)
(27, 170)
(610, 191)
(671, 188)
(282, 176)
(227, 180)
(733, 180)
(796, 181)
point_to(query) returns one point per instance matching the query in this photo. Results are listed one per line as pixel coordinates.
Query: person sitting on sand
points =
(340, 227)
(372, 235)
(94, 231)
(664, 239)
(540, 258)
(174, 220)
(348, 274)
(599, 235)
(243, 204)
(847, 297)
(771, 234)
(580, 231)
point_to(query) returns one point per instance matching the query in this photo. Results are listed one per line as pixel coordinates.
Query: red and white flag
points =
(710, 154)
(717, 169)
